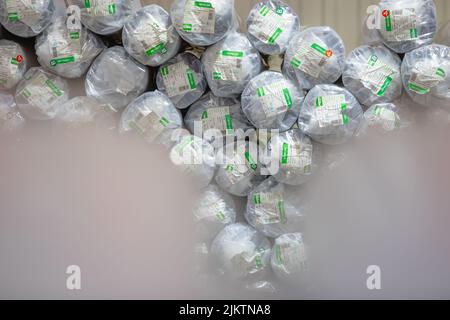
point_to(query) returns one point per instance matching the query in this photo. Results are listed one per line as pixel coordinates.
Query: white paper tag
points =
(178, 79)
(268, 25)
(9, 64)
(295, 155)
(386, 117)
(275, 98)
(100, 8)
(149, 125)
(218, 118)
(23, 11)
(377, 76)
(329, 110)
(199, 17)
(294, 254)
(64, 48)
(269, 208)
(400, 24)
(424, 77)
(153, 37)
(41, 92)
(311, 58)
(228, 66)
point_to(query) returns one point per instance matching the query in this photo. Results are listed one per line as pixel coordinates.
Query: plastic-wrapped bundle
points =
(370, 34)
(65, 51)
(222, 114)
(214, 210)
(203, 23)
(115, 78)
(182, 79)
(12, 64)
(271, 25)
(241, 252)
(104, 16)
(382, 117)
(372, 74)
(407, 24)
(26, 19)
(40, 93)
(230, 64)
(271, 101)
(426, 75)
(194, 157)
(10, 117)
(238, 171)
(330, 114)
(153, 116)
(150, 37)
(289, 259)
(274, 208)
(314, 56)
(294, 156)
(80, 111)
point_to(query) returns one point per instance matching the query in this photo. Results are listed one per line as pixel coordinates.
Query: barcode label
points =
(178, 79)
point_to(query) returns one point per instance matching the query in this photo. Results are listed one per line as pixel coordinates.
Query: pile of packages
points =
(210, 75)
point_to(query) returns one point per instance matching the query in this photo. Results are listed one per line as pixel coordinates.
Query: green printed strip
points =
(440, 72)
(260, 92)
(278, 255)
(296, 63)
(258, 262)
(220, 216)
(388, 23)
(257, 198)
(26, 93)
(319, 102)
(377, 111)
(413, 33)
(264, 11)
(202, 4)
(64, 60)
(285, 153)
(187, 27)
(235, 54)
(345, 118)
(56, 91)
(217, 75)
(275, 36)
(319, 49)
(191, 79)
(112, 9)
(13, 16)
(164, 121)
(417, 89)
(160, 48)
(87, 4)
(287, 98)
(228, 122)
(165, 71)
(384, 87)
(250, 161)
(372, 60)
(205, 115)
(74, 35)
(14, 61)
(282, 211)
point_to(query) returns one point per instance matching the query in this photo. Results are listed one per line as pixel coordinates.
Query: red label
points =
(385, 13)
(19, 58)
(329, 53)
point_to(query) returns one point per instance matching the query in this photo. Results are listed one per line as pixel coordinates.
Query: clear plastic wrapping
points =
(153, 116)
(314, 56)
(241, 252)
(382, 118)
(149, 36)
(182, 79)
(13, 64)
(372, 75)
(194, 157)
(67, 52)
(24, 20)
(222, 114)
(203, 23)
(407, 24)
(426, 76)
(271, 25)
(271, 101)
(275, 208)
(214, 210)
(104, 17)
(289, 259)
(10, 118)
(238, 167)
(295, 157)
(330, 114)
(40, 93)
(115, 78)
(230, 64)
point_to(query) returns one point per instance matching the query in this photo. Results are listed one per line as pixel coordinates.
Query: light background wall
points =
(345, 16)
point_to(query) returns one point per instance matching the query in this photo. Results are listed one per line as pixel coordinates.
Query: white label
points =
(296, 155)
(425, 76)
(269, 208)
(275, 98)
(329, 110)
(401, 24)
(8, 64)
(377, 76)
(64, 45)
(152, 37)
(150, 125)
(268, 25)
(101, 8)
(41, 92)
(217, 118)
(291, 254)
(228, 66)
(211, 207)
(311, 58)
(199, 17)
(386, 117)
(178, 79)
(23, 11)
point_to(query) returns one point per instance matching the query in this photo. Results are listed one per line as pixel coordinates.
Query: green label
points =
(278, 255)
(191, 79)
(320, 49)
(56, 91)
(228, 122)
(202, 4)
(288, 98)
(13, 16)
(384, 87)
(164, 121)
(65, 60)
(250, 161)
(160, 48)
(260, 92)
(417, 89)
(187, 27)
(220, 216)
(264, 11)
(257, 198)
(282, 211)
(235, 54)
(165, 71)
(440, 72)
(74, 35)
(388, 22)
(285, 153)
(372, 60)
(413, 33)
(296, 63)
(87, 4)
(112, 9)
(275, 36)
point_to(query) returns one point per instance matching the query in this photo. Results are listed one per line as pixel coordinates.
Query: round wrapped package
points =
(83, 111)
(238, 171)
(203, 23)
(407, 24)
(182, 79)
(241, 252)
(67, 52)
(153, 116)
(26, 19)
(382, 118)
(289, 259)
(214, 210)
(12, 64)
(270, 26)
(115, 78)
(194, 157)
(372, 74)
(230, 64)
(294, 157)
(274, 208)
(330, 114)
(104, 17)
(314, 56)
(40, 93)
(426, 75)
(219, 116)
(271, 101)
(149, 36)
(10, 118)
